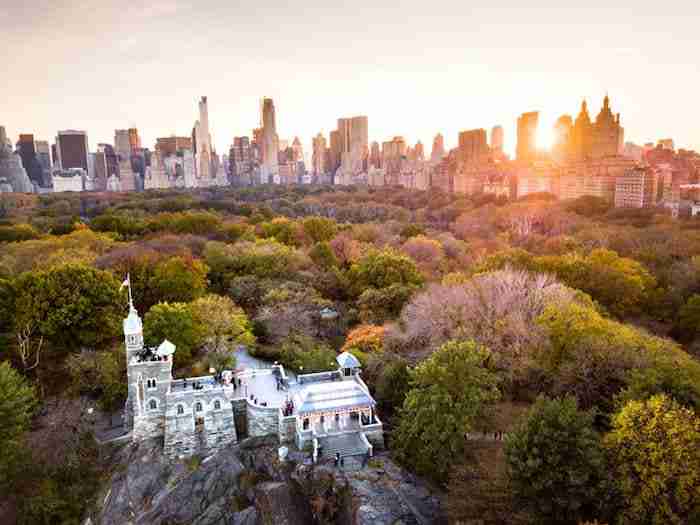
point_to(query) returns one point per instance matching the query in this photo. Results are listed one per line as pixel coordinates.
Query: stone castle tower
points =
(149, 376)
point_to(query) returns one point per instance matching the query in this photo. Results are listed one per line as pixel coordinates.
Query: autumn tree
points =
(305, 354)
(381, 269)
(450, 396)
(319, 229)
(654, 449)
(17, 403)
(72, 306)
(555, 461)
(179, 279)
(224, 326)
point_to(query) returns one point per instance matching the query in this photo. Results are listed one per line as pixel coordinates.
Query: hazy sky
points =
(414, 68)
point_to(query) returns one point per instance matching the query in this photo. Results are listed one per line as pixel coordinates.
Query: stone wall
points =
(287, 428)
(205, 426)
(262, 420)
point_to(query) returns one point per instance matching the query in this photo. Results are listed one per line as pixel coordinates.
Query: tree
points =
(555, 461)
(391, 380)
(380, 305)
(654, 448)
(381, 269)
(322, 255)
(304, 354)
(319, 229)
(450, 395)
(101, 375)
(179, 280)
(17, 403)
(72, 306)
(176, 323)
(224, 326)
(689, 319)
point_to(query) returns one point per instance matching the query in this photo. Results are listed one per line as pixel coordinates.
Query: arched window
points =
(217, 405)
(180, 410)
(151, 383)
(198, 407)
(153, 404)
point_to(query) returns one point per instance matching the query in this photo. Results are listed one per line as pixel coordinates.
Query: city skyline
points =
(465, 68)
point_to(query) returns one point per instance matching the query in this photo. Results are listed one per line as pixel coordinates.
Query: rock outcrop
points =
(246, 484)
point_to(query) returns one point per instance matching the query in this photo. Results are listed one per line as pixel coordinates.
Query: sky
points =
(415, 68)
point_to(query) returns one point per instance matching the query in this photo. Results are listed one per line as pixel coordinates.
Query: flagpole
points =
(128, 284)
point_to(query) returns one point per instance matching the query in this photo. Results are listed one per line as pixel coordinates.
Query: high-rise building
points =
(318, 160)
(134, 139)
(122, 144)
(638, 187)
(526, 150)
(335, 152)
(106, 166)
(201, 142)
(599, 139)
(171, 145)
(563, 131)
(473, 147)
(667, 144)
(270, 142)
(297, 150)
(13, 176)
(72, 149)
(418, 151)
(353, 137)
(26, 147)
(43, 154)
(375, 155)
(438, 151)
(497, 140)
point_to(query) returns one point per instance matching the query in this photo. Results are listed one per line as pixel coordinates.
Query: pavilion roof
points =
(332, 396)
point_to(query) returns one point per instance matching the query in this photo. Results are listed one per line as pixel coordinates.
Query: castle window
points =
(198, 407)
(151, 383)
(180, 409)
(153, 404)
(217, 405)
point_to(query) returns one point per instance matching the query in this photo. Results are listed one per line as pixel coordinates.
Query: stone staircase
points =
(346, 445)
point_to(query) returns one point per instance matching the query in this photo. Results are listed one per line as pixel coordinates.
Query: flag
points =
(125, 283)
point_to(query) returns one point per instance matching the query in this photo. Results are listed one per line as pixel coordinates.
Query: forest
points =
(536, 360)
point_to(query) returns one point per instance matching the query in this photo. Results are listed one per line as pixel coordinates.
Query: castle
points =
(325, 413)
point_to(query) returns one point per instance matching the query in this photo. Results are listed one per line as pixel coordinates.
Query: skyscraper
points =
(134, 139)
(563, 133)
(297, 150)
(122, 144)
(318, 160)
(375, 155)
(171, 145)
(473, 147)
(438, 151)
(72, 149)
(201, 140)
(43, 153)
(27, 152)
(270, 142)
(497, 140)
(527, 136)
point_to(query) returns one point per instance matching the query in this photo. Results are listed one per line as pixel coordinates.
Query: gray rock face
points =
(246, 484)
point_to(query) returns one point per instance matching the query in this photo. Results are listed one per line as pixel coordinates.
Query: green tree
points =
(319, 229)
(378, 306)
(179, 280)
(322, 255)
(101, 375)
(72, 305)
(224, 326)
(450, 395)
(176, 323)
(556, 462)
(688, 325)
(17, 403)
(654, 447)
(305, 354)
(381, 269)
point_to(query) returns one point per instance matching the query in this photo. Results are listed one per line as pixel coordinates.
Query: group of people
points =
(288, 408)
